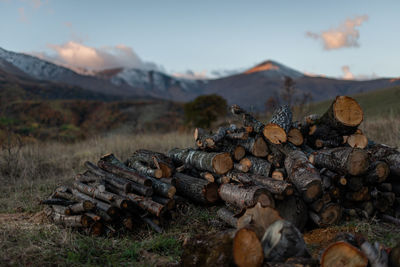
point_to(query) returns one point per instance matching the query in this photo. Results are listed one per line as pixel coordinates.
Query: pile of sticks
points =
(274, 179)
(113, 194)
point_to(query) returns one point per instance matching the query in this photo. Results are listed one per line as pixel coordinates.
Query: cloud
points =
(67, 24)
(76, 55)
(223, 73)
(346, 35)
(191, 75)
(22, 15)
(37, 3)
(348, 75)
(312, 74)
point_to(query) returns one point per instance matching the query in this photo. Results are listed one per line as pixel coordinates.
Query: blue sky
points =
(203, 36)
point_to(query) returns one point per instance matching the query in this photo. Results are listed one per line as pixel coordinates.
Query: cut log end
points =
(275, 134)
(265, 200)
(357, 140)
(343, 254)
(158, 173)
(260, 148)
(313, 191)
(171, 192)
(222, 163)
(239, 152)
(347, 111)
(295, 137)
(88, 205)
(331, 214)
(278, 175)
(382, 171)
(247, 249)
(358, 162)
(211, 192)
(166, 170)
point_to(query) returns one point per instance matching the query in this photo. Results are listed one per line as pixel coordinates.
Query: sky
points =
(347, 39)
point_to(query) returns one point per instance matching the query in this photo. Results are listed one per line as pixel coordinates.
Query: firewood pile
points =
(274, 179)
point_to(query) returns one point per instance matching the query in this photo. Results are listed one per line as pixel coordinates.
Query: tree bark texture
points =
(198, 190)
(257, 165)
(342, 160)
(248, 119)
(111, 164)
(278, 127)
(154, 160)
(245, 196)
(220, 163)
(304, 176)
(283, 240)
(344, 115)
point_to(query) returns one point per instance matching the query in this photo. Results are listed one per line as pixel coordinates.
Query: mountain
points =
(254, 87)
(130, 83)
(272, 69)
(154, 83)
(251, 88)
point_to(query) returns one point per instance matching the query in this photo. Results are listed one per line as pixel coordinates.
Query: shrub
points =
(204, 110)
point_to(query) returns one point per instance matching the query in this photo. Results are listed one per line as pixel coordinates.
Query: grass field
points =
(30, 173)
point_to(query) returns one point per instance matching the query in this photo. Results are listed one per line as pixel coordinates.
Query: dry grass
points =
(31, 173)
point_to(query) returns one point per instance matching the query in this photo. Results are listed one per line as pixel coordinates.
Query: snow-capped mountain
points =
(150, 80)
(35, 67)
(122, 81)
(250, 88)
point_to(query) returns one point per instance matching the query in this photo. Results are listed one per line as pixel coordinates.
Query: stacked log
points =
(111, 194)
(274, 179)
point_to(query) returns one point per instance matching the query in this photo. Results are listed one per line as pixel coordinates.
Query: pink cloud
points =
(345, 35)
(349, 75)
(76, 55)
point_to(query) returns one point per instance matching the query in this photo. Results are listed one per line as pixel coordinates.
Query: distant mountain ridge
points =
(250, 88)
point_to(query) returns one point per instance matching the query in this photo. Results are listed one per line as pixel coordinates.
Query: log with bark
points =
(198, 190)
(283, 240)
(276, 187)
(245, 196)
(344, 115)
(111, 164)
(255, 146)
(330, 214)
(145, 170)
(387, 154)
(107, 208)
(108, 177)
(304, 176)
(228, 217)
(220, 163)
(377, 173)
(248, 119)
(71, 221)
(154, 160)
(276, 131)
(257, 165)
(237, 151)
(342, 160)
(208, 140)
(163, 189)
